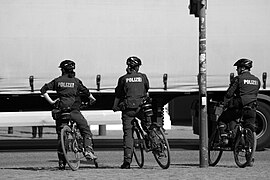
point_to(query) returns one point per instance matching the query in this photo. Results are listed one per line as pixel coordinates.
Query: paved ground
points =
(184, 165)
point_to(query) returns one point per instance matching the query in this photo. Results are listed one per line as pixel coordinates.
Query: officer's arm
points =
(118, 94)
(146, 82)
(45, 88)
(83, 90)
(233, 87)
(49, 99)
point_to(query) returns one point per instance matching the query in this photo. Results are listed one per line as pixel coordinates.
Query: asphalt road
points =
(185, 165)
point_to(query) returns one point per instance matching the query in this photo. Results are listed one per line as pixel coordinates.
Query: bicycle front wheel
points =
(244, 148)
(138, 147)
(214, 149)
(161, 148)
(70, 148)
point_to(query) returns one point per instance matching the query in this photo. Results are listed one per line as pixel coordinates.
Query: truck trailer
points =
(99, 35)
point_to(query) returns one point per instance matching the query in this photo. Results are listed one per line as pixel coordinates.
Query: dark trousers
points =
(127, 118)
(231, 114)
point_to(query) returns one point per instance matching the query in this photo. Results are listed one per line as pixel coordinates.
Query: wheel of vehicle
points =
(214, 149)
(70, 148)
(161, 148)
(138, 147)
(262, 125)
(243, 150)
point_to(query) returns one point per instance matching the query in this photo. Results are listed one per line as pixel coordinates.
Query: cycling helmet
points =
(67, 65)
(243, 63)
(133, 61)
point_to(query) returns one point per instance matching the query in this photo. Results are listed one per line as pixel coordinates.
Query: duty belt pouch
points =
(56, 113)
(133, 102)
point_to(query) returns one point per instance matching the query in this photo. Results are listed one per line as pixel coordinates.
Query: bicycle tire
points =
(243, 150)
(214, 150)
(162, 150)
(138, 147)
(70, 148)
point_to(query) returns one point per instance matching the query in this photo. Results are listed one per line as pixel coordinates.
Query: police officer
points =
(69, 88)
(242, 92)
(131, 89)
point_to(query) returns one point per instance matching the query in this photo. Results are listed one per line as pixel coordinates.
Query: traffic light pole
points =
(202, 86)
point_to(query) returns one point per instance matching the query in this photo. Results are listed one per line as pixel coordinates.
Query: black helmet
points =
(244, 63)
(133, 61)
(67, 65)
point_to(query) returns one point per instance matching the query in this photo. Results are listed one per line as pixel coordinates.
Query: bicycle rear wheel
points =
(70, 148)
(214, 149)
(161, 148)
(138, 147)
(244, 148)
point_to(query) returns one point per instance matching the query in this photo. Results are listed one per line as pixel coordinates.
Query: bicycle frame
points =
(238, 143)
(72, 144)
(159, 145)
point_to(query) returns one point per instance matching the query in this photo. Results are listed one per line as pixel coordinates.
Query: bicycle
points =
(72, 142)
(238, 141)
(154, 141)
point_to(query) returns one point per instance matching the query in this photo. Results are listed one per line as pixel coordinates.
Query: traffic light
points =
(195, 7)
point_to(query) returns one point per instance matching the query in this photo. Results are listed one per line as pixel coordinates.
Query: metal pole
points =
(202, 87)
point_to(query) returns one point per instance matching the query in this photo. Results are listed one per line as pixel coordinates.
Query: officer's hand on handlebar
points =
(115, 108)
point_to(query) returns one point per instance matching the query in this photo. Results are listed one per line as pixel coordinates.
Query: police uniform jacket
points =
(132, 87)
(68, 90)
(243, 89)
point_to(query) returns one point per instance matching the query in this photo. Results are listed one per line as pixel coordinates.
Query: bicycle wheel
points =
(243, 150)
(214, 150)
(138, 147)
(70, 148)
(161, 148)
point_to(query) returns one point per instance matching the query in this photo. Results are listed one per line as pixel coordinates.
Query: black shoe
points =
(90, 155)
(125, 165)
(62, 165)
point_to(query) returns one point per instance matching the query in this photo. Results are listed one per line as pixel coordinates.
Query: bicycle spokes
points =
(138, 148)
(244, 147)
(161, 149)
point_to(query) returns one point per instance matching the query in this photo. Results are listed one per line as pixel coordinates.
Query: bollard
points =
(102, 130)
(40, 131)
(34, 131)
(10, 130)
